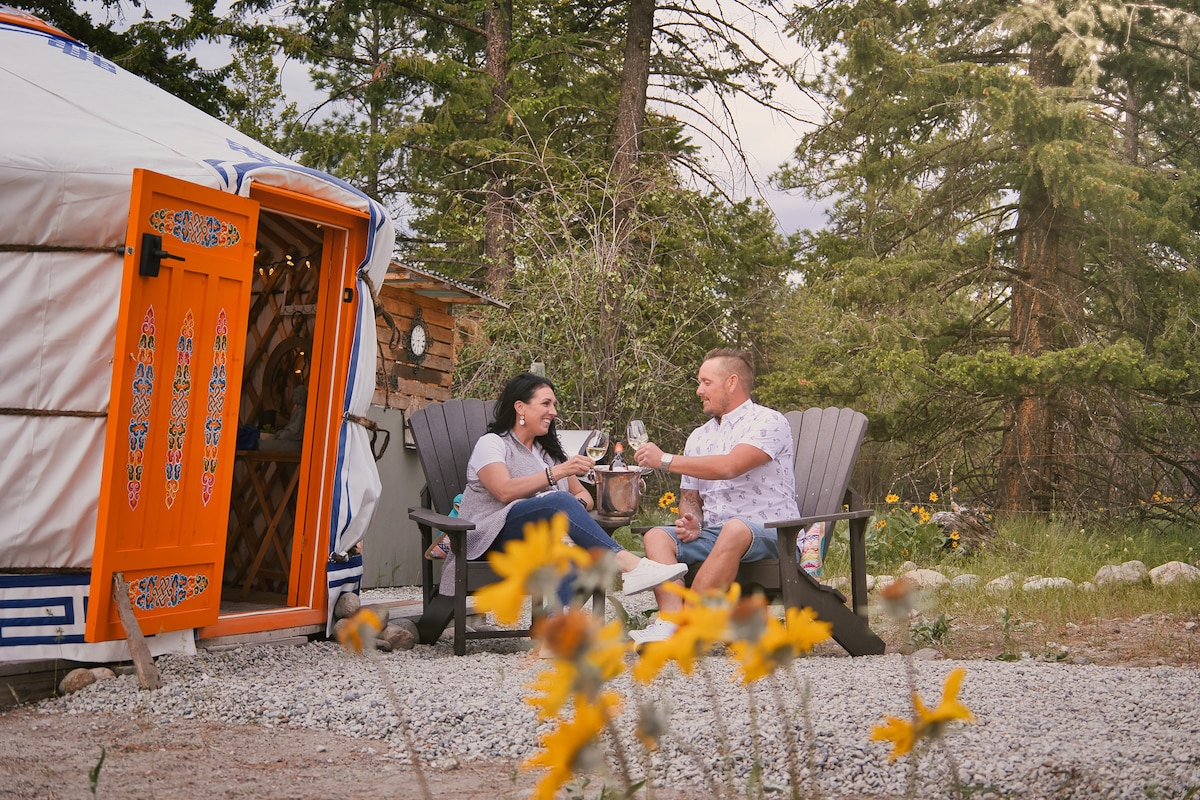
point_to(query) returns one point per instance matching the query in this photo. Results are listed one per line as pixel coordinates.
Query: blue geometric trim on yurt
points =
(43, 609)
(344, 577)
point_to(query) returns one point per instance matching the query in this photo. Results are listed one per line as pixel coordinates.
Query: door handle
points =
(152, 255)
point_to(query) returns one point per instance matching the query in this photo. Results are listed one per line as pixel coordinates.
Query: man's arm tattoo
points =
(689, 501)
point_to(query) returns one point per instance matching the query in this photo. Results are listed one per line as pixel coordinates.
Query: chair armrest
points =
(804, 522)
(427, 516)
(641, 530)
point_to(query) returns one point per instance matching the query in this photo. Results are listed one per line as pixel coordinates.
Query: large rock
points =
(383, 612)
(1174, 572)
(1037, 583)
(347, 605)
(926, 579)
(965, 582)
(398, 637)
(1131, 572)
(75, 680)
(973, 526)
(879, 582)
(340, 627)
(1005, 583)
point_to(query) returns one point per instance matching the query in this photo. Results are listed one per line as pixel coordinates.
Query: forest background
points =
(1005, 282)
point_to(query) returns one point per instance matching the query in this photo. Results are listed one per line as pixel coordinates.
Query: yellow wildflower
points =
(360, 630)
(900, 732)
(904, 734)
(954, 535)
(667, 500)
(569, 748)
(780, 643)
(701, 622)
(533, 565)
(586, 656)
(892, 497)
(881, 524)
(607, 653)
(933, 497)
(551, 689)
(949, 709)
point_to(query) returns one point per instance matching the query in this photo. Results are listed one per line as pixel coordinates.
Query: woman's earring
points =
(522, 421)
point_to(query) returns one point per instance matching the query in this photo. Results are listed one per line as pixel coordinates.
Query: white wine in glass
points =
(635, 433)
(597, 445)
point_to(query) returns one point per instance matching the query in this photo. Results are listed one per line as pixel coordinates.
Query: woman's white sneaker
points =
(648, 574)
(658, 631)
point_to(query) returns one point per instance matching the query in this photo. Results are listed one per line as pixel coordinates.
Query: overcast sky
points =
(768, 138)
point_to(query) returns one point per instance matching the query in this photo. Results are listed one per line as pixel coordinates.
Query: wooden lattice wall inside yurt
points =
(279, 352)
(282, 312)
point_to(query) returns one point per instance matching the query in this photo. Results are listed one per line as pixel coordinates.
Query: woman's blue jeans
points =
(583, 530)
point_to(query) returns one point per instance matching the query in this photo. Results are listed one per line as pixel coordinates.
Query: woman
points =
(518, 473)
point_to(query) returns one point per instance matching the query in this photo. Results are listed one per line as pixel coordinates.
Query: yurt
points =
(187, 352)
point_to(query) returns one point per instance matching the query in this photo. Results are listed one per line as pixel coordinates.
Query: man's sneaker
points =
(648, 574)
(658, 631)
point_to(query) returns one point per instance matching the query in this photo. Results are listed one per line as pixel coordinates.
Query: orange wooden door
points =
(172, 429)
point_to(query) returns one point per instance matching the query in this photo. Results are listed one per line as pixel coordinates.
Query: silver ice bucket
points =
(617, 491)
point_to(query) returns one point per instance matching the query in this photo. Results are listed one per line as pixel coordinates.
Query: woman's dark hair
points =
(522, 388)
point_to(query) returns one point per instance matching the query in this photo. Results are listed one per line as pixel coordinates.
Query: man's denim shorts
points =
(765, 544)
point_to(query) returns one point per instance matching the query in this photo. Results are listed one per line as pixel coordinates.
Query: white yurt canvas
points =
(75, 129)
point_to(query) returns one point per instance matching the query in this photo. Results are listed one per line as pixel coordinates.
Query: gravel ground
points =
(1043, 730)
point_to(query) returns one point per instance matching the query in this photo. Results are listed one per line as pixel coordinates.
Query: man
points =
(737, 473)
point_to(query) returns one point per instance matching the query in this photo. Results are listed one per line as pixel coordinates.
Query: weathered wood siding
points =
(399, 383)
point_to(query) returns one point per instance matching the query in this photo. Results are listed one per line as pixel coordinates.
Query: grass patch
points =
(1036, 623)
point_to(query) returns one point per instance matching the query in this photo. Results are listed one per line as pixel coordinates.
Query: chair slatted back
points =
(445, 434)
(827, 442)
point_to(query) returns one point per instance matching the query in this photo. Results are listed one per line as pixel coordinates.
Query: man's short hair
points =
(735, 362)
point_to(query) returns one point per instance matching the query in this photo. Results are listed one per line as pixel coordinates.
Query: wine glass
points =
(635, 433)
(595, 447)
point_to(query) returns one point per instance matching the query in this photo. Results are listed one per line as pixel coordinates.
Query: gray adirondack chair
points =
(827, 442)
(445, 434)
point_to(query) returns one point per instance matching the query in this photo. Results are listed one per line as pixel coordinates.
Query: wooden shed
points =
(170, 286)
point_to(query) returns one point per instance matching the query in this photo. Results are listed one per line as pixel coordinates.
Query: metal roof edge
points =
(436, 286)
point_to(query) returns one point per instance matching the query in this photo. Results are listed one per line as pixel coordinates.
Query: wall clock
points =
(418, 339)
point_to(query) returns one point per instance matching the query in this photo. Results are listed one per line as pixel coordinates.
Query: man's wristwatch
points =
(665, 462)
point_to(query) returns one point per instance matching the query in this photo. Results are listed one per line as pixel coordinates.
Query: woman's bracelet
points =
(549, 477)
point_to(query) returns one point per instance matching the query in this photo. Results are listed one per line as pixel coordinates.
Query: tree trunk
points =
(635, 80)
(1037, 449)
(1024, 479)
(627, 149)
(498, 191)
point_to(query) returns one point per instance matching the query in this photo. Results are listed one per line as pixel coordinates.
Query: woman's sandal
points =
(439, 549)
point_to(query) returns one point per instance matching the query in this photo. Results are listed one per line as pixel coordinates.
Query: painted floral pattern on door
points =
(215, 408)
(139, 413)
(181, 388)
(195, 228)
(165, 591)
